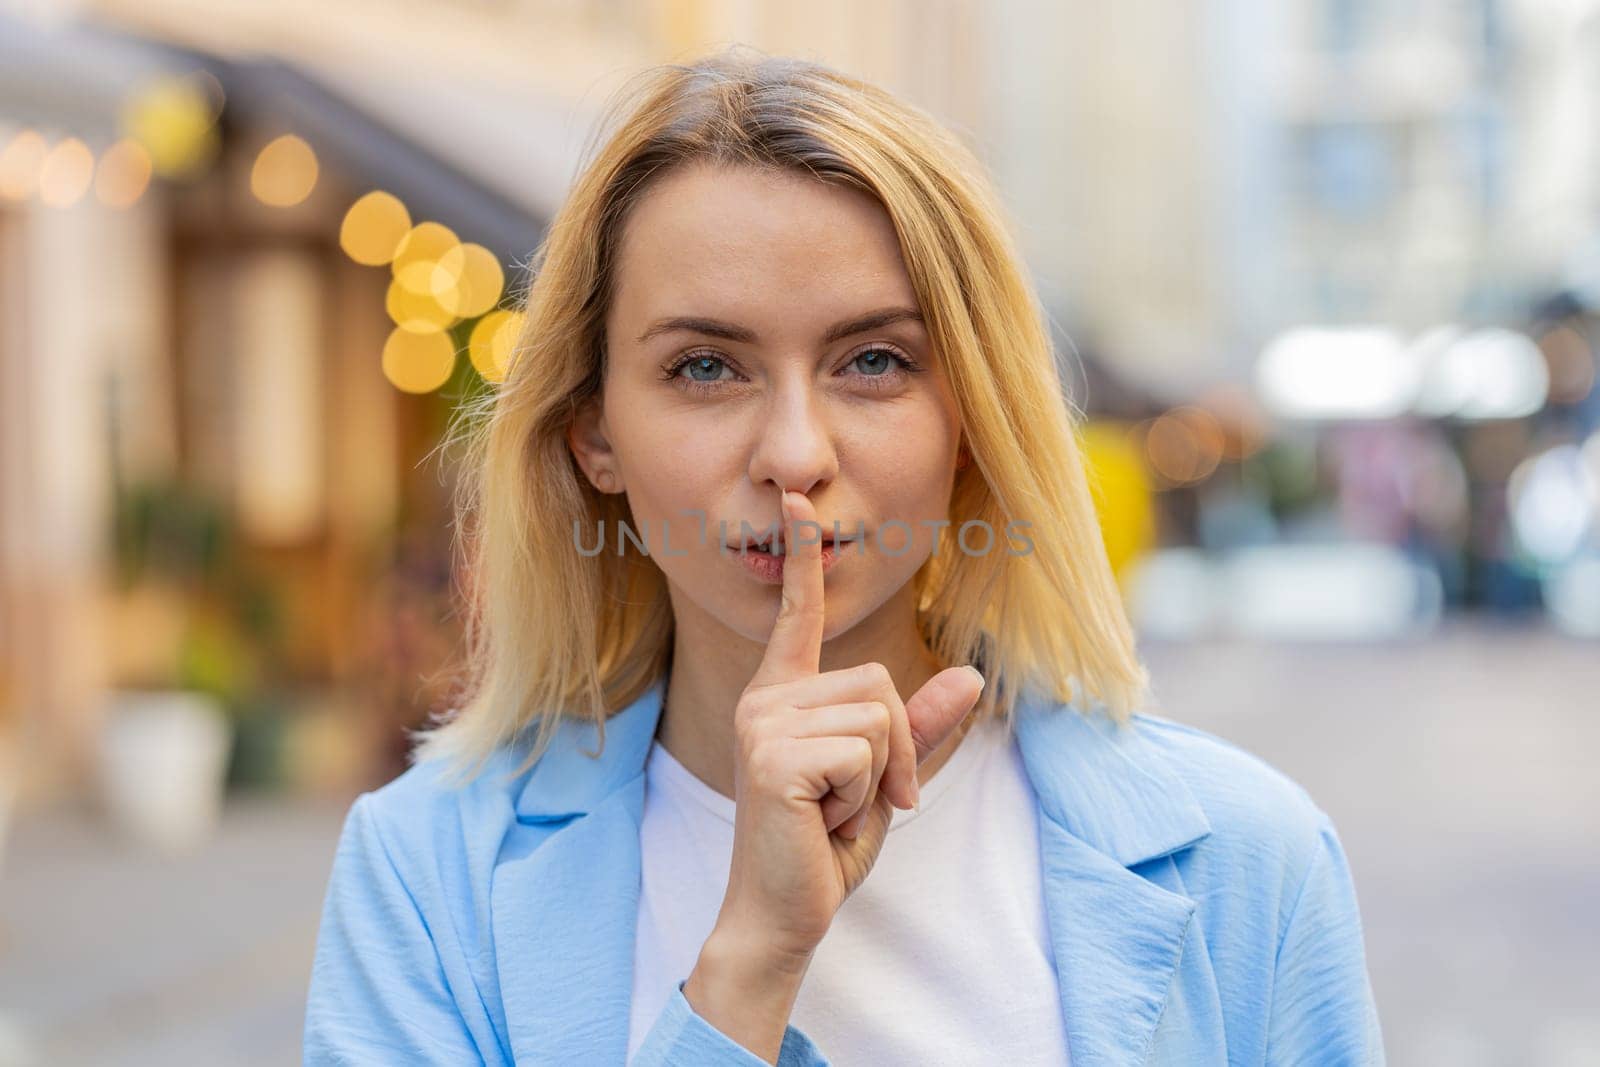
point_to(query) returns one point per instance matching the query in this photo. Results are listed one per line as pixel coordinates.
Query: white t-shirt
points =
(941, 956)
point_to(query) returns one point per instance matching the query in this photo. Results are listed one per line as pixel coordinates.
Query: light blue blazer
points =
(1199, 905)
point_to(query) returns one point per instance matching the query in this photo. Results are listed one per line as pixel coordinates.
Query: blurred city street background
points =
(1325, 278)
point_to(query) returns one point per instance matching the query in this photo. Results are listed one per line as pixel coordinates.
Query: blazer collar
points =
(1108, 801)
(1104, 783)
(568, 780)
(564, 911)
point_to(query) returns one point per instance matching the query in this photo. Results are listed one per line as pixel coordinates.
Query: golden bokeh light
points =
(374, 227)
(285, 172)
(416, 260)
(123, 174)
(174, 118)
(418, 362)
(66, 172)
(493, 342)
(476, 280)
(429, 278)
(416, 312)
(20, 162)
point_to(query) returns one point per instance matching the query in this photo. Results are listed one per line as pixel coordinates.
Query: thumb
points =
(940, 706)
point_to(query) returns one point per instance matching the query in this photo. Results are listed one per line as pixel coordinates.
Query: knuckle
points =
(875, 674)
(881, 719)
(751, 708)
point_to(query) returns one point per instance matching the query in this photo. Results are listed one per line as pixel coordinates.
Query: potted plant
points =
(181, 663)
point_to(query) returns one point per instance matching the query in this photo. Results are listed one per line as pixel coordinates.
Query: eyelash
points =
(875, 381)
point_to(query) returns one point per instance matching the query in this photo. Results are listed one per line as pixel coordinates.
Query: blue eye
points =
(882, 368)
(698, 363)
(883, 363)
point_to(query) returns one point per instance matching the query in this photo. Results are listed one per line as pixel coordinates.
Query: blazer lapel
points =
(1107, 803)
(564, 903)
(565, 897)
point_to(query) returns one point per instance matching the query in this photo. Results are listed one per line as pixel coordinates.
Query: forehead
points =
(749, 242)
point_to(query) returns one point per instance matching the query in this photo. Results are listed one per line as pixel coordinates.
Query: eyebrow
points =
(732, 332)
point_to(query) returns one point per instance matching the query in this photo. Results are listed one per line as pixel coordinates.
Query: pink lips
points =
(769, 568)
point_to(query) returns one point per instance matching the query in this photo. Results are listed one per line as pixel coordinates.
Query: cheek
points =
(902, 461)
(676, 484)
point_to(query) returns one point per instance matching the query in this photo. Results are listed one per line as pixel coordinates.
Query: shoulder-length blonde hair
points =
(553, 634)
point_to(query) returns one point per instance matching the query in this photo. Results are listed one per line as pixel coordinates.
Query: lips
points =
(767, 544)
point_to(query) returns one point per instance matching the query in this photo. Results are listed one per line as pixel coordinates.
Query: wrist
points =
(750, 955)
(746, 990)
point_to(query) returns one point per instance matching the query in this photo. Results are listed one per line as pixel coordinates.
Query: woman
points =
(785, 423)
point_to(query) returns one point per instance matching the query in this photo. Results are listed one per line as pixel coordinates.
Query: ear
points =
(591, 447)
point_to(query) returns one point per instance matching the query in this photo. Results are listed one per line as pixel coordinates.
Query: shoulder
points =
(1147, 787)
(1268, 837)
(1241, 793)
(426, 790)
(436, 831)
(1275, 898)
(402, 967)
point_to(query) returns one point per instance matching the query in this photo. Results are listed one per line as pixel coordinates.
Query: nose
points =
(794, 446)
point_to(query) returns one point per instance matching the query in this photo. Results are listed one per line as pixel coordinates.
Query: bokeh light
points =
(374, 227)
(423, 292)
(1485, 374)
(1571, 364)
(285, 172)
(416, 260)
(1345, 373)
(1553, 499)
(418, 362)
(1183, 446)
(472, 280)
(493, 342)
(174, 118)
(20, 162)
(416, 312)
(65, 175)
(123, 174)
(1243, 424)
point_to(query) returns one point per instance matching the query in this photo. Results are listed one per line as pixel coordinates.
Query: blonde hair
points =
(1050, 618)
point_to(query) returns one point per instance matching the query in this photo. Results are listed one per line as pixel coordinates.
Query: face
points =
(782, 381)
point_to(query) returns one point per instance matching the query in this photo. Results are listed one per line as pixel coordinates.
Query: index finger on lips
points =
(794, 649)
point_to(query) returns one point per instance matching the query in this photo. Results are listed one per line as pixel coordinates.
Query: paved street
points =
(1459, 772)
(109, 955)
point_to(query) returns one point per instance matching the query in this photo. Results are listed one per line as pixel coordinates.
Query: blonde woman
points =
(806, 721)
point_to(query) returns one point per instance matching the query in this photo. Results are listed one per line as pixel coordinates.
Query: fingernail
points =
(974, 670)
(916, 795)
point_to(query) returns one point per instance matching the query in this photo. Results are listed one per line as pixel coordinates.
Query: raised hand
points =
(822, 758)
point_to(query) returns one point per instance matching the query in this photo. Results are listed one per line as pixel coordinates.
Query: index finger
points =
(795, 648)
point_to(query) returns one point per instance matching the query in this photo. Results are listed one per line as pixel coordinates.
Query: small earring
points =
(604, 480)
